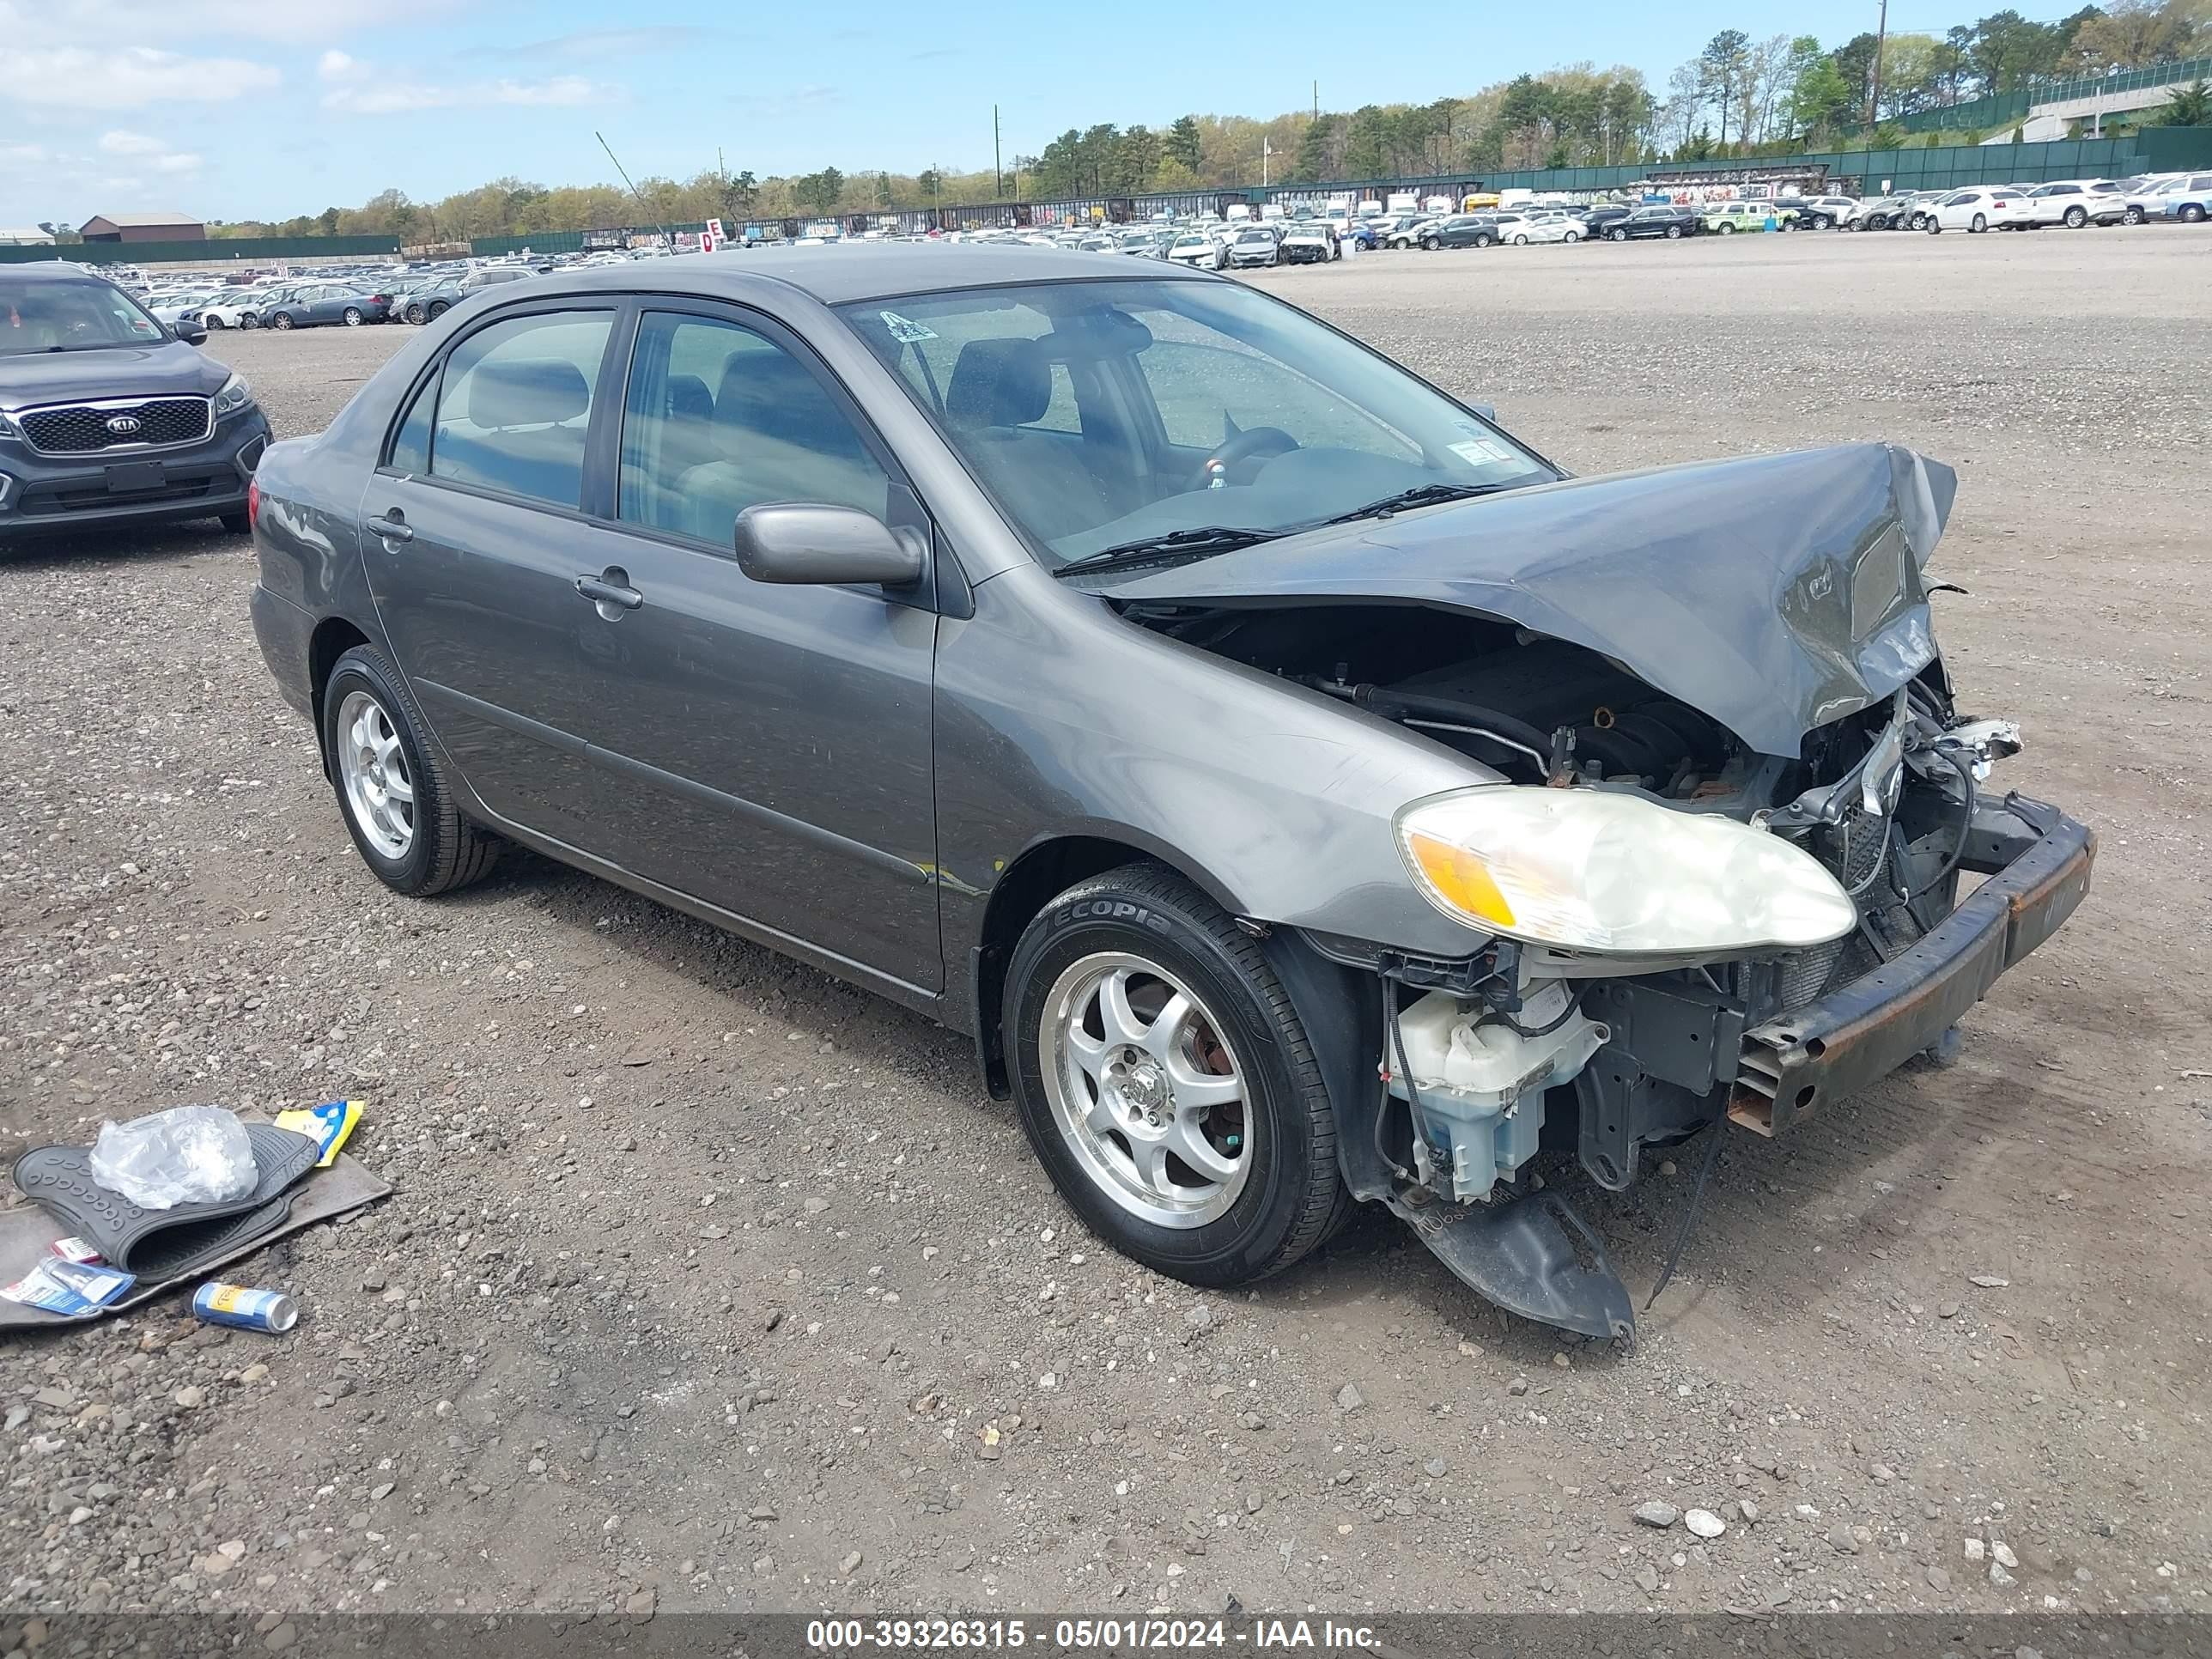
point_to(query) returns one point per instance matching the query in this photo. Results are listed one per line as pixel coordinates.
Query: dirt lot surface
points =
(710, 1283)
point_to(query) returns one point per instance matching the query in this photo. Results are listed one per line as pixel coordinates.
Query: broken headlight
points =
(1591, 870)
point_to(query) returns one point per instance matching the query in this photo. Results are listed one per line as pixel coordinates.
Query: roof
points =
(51, 271)
(141, 221)
(21, 234)
(870, 270)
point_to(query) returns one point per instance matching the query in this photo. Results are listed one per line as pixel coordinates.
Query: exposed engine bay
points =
(1525, 1046)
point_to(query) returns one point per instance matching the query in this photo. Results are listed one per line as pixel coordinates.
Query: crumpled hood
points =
(1776, 593)
(158, 368)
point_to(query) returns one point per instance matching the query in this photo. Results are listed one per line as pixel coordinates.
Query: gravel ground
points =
(709, 1283)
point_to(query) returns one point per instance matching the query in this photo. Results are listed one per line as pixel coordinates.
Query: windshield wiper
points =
(1418, 496)
(1176, 547)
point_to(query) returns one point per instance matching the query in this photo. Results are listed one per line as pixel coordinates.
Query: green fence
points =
(216, 250)
(2000, 108)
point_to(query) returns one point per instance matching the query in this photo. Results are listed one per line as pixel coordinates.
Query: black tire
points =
(445, 851)
(1935, 228)
(1293, 1197)
(1824, 221)
(1616, 235)
(2191, 215)
(282, 320)
(2133, 216)
(237, 524)
(212, 324)
(1431, 243)
(438, 309)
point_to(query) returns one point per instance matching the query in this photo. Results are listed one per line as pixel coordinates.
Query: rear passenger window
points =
(411, 445)
(719, 418)
(516, 403)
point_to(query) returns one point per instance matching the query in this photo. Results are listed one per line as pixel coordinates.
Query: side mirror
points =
(796, 543)
(192, 334)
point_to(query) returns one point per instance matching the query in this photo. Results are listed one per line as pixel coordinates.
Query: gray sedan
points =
(1304, 791)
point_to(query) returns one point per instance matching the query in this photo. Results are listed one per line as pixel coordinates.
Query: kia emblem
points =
(122, 425)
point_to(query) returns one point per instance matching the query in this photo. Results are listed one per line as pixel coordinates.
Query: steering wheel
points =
(1253, 443)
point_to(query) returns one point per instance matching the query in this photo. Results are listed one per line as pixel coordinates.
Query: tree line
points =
(1737, 96)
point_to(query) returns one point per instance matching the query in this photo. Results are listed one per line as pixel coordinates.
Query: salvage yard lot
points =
(709, 1282)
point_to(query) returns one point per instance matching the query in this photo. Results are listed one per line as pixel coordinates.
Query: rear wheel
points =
(1485, 239)
(416, 313)
(2192, 215)
(1824, 221)
(1165, 1082)
(1674, 233)
(1727, 229)
(350, 316)
(2133, 216)
(393, 795)
(1520, 241)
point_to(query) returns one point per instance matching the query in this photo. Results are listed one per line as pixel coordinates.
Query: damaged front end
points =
(1720, 871)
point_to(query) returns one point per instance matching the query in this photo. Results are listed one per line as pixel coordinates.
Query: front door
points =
(774, 742)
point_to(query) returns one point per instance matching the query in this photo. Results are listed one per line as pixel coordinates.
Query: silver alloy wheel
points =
(352, 316)
(379, 792)
(1144, 1090)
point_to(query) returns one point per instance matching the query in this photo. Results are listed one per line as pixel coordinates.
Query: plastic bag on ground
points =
(187, 1155)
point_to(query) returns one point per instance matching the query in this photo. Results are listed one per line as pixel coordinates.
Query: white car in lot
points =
(1193, 248)
(1255, 244)
(1986, 207)
(2075, 203)
(235, 308)
(1521, 229)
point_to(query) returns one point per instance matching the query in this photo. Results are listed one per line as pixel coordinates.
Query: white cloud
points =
(360, 95)
(29, 23)
(336, 65)
(120, 142)
(127, 78)
(182, 161)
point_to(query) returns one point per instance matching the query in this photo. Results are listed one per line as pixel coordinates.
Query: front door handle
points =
(392, 528)
(611, 586)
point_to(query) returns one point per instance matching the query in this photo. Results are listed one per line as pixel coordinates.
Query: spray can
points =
(249, 1310)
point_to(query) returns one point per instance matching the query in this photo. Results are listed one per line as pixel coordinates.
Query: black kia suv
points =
(109, 416)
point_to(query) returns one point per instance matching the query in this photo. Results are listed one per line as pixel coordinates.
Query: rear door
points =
(470, 529)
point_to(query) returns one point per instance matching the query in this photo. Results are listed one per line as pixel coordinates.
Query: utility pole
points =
(1873, 94)
(1316, 100)
(997, 168)
(1265, 152)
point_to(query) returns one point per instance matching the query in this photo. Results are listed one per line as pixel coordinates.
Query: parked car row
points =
(2072, 204)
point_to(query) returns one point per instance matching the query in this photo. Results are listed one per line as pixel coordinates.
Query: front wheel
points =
(1431, 243)
(2192, 215)
(1981, 224)
(393, 796)
(1572, 236)
(1166, 1083)
(1617, 235)
(1727, 229)
(1935, 228)
(211, 323)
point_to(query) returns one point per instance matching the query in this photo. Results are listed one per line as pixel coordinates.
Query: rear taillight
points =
(252, 503)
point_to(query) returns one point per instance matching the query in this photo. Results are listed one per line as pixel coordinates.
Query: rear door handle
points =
(610, 588)
(392, 528)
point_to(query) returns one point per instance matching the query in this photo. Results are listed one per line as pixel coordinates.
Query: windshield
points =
(39, 314)
(1102, 413)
